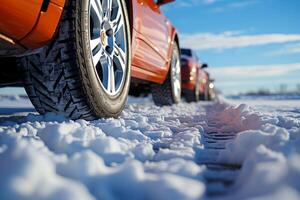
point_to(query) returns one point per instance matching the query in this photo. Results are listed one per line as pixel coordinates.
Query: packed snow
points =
(151, 152)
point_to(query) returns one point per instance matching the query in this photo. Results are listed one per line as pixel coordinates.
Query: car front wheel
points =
(85, 71)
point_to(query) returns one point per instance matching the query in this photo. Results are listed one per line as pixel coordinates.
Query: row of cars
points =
(79, 57)
(196, 82)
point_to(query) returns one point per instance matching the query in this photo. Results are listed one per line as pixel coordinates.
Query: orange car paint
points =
(153, 35)
(60, 3)
(153, 39)
(44, 28)
(18, 17)
(192, 74)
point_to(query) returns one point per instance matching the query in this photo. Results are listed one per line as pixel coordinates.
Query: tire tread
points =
(52, 81)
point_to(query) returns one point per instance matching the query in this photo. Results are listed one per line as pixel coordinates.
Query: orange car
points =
(77, 56)
(195, 80)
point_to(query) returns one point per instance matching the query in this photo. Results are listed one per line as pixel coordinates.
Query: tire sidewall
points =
(100, 100)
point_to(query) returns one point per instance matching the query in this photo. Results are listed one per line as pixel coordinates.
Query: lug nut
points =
(109, 32)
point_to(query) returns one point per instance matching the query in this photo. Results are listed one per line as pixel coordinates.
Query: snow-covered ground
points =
(178, 152)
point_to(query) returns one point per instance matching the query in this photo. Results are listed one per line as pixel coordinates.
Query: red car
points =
(77, 57)
(195, 80)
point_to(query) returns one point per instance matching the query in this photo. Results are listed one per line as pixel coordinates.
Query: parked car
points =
(195, 80)
(77, 56)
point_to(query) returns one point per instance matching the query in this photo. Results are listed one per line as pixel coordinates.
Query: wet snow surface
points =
(225, 150)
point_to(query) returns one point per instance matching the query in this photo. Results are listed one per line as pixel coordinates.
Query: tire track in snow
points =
(219, 176)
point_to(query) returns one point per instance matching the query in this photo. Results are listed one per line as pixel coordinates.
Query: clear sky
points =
(249, 44)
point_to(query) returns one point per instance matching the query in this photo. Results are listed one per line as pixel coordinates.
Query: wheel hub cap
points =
(108, 43)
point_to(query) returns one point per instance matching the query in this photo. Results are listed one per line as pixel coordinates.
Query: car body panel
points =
(60, 3)
(17, 18)
(45, 28)
(26, 26)
(152, 47)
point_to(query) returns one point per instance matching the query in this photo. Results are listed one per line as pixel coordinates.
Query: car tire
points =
(67, 76)
(205, 95)
(192, 96)
(169, 92)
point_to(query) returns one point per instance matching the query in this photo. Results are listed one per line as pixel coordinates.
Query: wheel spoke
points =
(107, 8)
(95, 4)
(105, 71)
(108, 73)
(111, 82)
(94, 43)
(120, 55)
(97, 56)
(117, 22)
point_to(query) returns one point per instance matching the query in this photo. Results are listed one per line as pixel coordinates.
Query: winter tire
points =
(85, 71)
(193, 96)
(170, 91)
(205, 95)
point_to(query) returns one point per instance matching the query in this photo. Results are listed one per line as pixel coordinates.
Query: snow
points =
(151, 152)
(270, 153)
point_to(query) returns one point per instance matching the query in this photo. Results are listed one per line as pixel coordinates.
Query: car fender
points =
(46, 25)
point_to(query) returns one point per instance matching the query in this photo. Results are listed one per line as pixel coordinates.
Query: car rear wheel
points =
(205, 95)
(193, 96)
(85, 71)
(169, 92)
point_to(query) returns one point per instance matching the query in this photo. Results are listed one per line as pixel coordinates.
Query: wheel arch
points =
(174, 40)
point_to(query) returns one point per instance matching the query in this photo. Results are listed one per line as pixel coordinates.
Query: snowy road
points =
(224, 150)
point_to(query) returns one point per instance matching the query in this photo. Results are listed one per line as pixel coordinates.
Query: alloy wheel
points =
(176, 76)
(108, 44)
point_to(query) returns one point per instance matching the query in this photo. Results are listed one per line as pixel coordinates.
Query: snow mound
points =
(28, 172)
(141, 155)
(150, 153)
(268, 148)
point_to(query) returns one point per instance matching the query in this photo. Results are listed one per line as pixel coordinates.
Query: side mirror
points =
(162, 2)
(204, 66)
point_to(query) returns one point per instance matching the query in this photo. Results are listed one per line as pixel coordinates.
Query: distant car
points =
(212, 94)
(195, 80)
(78, 56)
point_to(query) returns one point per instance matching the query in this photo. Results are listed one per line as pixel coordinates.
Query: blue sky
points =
(249, 44)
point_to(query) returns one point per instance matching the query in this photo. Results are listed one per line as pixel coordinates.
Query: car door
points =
(154, 30)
